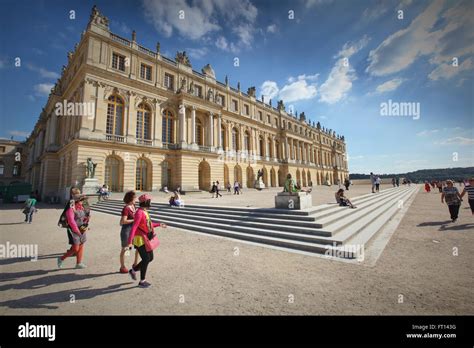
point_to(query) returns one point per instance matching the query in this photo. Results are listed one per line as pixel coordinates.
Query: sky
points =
(394, 77)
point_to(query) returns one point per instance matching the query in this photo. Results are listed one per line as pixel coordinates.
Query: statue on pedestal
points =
(90, 166)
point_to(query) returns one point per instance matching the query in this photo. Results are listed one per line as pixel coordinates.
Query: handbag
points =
(150, 239)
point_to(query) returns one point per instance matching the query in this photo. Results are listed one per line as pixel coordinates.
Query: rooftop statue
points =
(251, 92)
(281, 105)
(208, 71)
(182, 58)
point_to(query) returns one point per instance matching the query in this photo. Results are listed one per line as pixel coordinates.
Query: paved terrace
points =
(199, 274)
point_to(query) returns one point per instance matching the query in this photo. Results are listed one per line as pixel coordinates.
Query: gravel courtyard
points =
(425, 269)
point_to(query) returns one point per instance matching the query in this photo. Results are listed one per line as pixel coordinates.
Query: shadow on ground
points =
(48, 300)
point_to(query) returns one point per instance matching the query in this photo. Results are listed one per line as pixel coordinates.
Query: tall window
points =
(141, 177)
(235, 105)
(262, 146)
(260, 116)
(17, 169)
(167, 125)
(118, 62)
(143, 122)
(246, 109)
(145, 72)
(268, 119)
(235, 139)
(2, 168)
(247, 141)
(115, 116)
(223, 137)
(198, 91)
(169, 81)
(199, 133)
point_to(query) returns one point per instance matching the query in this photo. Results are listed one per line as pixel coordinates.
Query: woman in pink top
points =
(78, 221)
(142, 227)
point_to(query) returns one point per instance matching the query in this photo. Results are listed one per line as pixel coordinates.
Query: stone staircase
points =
(325, 229)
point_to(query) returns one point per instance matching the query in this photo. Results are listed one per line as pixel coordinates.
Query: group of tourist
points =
(137, 231)
(450, 194)
(375, 181)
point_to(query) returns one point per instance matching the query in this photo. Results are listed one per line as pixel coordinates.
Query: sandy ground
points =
(425, 269)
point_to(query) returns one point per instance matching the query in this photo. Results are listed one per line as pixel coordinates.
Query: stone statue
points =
(90, 166)
(281, 105)
(226, 80)
(158, 46)
(302, 116)
(210, 95)
(182, 86)
(134, 36)
(259, 174)
(182, 58)
(191, 88)
(251, 91)
(238, 86)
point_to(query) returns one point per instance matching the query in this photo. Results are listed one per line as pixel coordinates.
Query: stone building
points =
(12, 162)
(149, 121)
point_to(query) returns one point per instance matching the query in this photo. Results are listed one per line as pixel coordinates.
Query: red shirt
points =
(129, 212)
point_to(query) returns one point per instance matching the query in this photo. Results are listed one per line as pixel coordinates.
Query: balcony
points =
(115, 138)
(205, 148)
(145, 142)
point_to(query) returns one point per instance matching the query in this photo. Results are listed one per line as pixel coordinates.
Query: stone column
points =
(286, 149)
(193, 125)
(211, 129)
(182, 126)
(219, 132)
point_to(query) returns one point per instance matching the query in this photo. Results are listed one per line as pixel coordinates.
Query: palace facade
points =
(149, 122)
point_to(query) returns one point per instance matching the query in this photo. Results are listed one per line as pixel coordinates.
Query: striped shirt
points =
(470, 191)
(451, 195)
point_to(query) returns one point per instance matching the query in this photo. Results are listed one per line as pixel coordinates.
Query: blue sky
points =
(336, 60)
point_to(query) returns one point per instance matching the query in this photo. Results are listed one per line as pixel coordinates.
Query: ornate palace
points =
(149, 121)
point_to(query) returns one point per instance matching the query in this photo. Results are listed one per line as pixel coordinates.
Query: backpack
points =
(62, 222)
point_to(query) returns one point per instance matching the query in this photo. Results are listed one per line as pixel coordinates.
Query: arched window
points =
(143, 122)
(199, 132)
(115, 116)
(113, 174)
(141, 175)
(168, 130)
(247, 141)
(235, 139)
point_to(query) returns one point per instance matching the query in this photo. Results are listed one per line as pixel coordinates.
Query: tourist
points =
(236, 188)
(439, 185)
(143, 228)
(229, 186)
(372, 181)
(126, 221)
(377, 183)
(104, 193)
(176, 201)
(218, 189)
(30, 208)
(453, 199)
(397, 181)
(165, 189)
(469, 189)
(393, 182)
(77, 218)
(342, 200)
(213, 189)
(338, 182)
(427, 187)
(347, 183)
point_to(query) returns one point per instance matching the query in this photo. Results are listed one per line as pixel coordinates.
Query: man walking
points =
(372, 181)
(217, 189)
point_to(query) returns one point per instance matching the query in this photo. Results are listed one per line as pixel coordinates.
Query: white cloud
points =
(43, 89)
(389, 86)
(269, 89)
(457, 141)
(197, 53)
(374, 12)
(447, 70)
(272, 28)
(311, 3)
(350, 48)
(338, 83)
(43, 72)
(427, 132)
(3, 63)
(18, 133)
(204, 18)
(454, 38)
(298, 90)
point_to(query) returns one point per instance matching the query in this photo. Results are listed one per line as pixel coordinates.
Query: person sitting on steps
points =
(342, 200)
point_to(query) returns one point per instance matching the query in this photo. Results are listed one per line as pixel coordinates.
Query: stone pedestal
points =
(293, 200)
(90, 186)
(259, 184)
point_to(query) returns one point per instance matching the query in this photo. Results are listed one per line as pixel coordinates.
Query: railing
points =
(146, 142)
(120, 39)
(116, 138)
(169, 61)
(204, 148)
(170, 146)
(146, 51)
